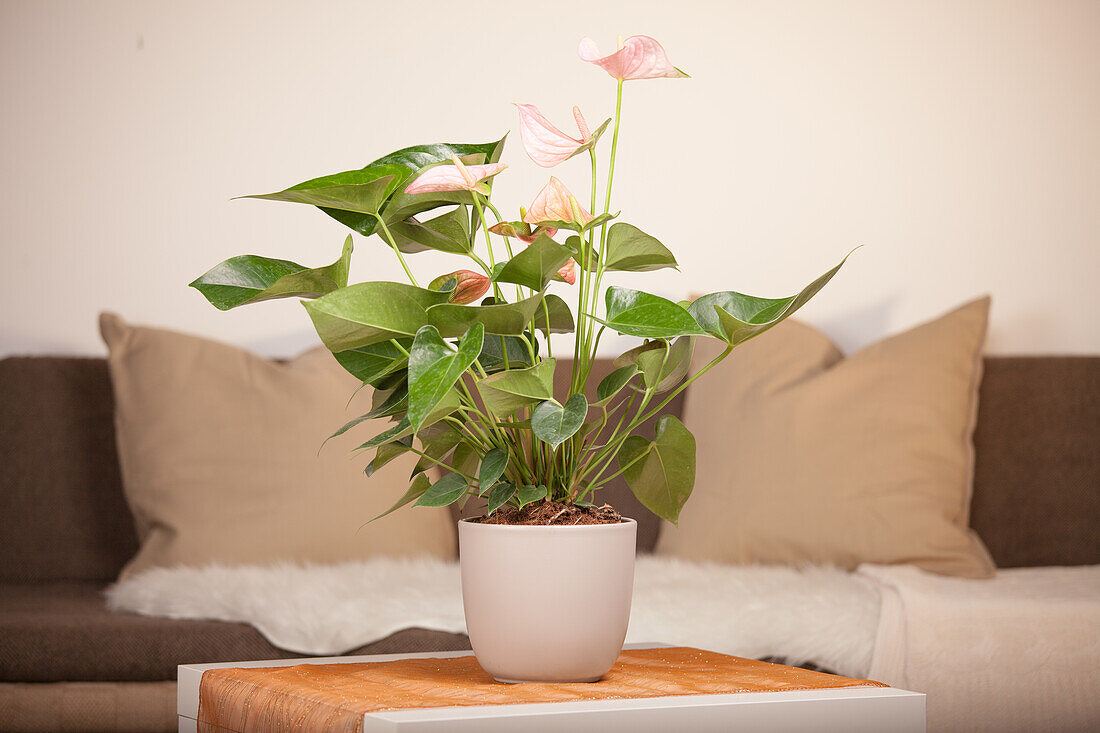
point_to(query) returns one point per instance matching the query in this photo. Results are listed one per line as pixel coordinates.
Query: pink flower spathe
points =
(555, 203)
(546, 144)
(457, 177)
(639, 57)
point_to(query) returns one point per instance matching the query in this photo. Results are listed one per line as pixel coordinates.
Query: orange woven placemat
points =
(334, 697)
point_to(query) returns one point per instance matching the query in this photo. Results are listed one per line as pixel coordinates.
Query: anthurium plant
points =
(461, 363)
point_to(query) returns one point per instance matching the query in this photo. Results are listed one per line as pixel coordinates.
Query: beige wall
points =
(958, 140)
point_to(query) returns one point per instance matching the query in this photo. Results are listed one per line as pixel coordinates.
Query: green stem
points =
(400, 257)
(488, 244)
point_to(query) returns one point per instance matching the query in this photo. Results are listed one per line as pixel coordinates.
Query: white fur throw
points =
(820, 615)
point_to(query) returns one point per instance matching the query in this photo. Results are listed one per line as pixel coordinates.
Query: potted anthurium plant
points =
(462, 369)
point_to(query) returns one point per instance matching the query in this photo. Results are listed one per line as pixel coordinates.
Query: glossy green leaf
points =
(511, 390)
(398, 431)
(465, 459)
(360, 191)
(662, 367)
(661, 473)
(635, 313)
(529, 494)
(251, 278)
(444, 492)
(416, 490)
(553, 315)
(399, 205)
(372, 312)
(371, 363)
(614, 382)
(505, 319)
(500, 495)
(436, 446)
(735, 318)
(574, 226)
(492, 468)
(393, 402)
(434, 368)
(534, 266)
(554, 423)
(629, 249)
(448, 232)
(388, 452)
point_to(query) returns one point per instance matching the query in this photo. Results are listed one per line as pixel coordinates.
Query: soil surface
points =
(552, 512)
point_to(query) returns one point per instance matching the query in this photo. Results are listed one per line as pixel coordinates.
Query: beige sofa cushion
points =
(219, 455)
(805, 456)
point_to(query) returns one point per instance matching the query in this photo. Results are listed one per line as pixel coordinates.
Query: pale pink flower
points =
(469, 285)
(457, 177)
(546, 144)
(638, 57)
(555, 203)
(568, 272)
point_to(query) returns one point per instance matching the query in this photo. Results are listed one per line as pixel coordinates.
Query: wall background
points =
(957, 140)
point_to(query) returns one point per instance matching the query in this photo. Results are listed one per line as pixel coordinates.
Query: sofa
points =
(68, 663)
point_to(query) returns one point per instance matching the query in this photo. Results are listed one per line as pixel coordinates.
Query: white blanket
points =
(821, 615)
(1018, 652)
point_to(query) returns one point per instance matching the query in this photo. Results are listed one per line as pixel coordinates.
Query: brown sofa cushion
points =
(61, 506)
(63, 632)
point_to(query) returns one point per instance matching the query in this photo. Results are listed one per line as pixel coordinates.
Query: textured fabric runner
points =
(334, 697)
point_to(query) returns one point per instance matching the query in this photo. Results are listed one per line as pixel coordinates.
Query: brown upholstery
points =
(63, 517)
(1037, 479)
(63, 632)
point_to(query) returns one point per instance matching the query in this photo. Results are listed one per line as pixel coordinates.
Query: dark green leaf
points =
(508, 391)
(434, 368)
(251, 278)
(662, 367)
(465, 459)
(635, 313)
(495, 348)
(555, 424)
(492, 468)
(529, 494)
(398, 431)
(500, 495)
(446, 233)
(555, 312)
(361, 191)
(444, 492)
(661, 473)
(370, 363)
(630, 249)
(535, 265)
(437, 446)
(574, 226)
(613, 383)
(735, 318)
(387, 453)
(416, 490)
(371, 312)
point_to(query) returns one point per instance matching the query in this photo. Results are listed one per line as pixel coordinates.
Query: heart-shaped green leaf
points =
(511, 390)
(492, 468)
(444, 492)
(554, 316)
(535, 265)
(371, 312)
(500, 495)
(505, 319)
(416, 490)
(554, 423)
(629, 249)
(449, 232)
(735, 317)
(434, 368)
(465, 459)
(400, 205)
(361, 191)
(529, 494)
(251, 278)
(635, 313)
(613, 383)
(371, 363)
(661, 473)
(662, 366)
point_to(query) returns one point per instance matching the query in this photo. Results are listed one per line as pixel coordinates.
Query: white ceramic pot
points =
(547, 604)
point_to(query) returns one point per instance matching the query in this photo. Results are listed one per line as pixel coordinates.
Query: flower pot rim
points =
(627, 521)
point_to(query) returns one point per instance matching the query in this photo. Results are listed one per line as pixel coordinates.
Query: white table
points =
(843, 710)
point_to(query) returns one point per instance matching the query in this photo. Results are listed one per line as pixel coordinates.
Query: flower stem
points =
(400, 257)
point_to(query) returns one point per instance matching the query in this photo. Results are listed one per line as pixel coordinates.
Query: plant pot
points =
(547, 603)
